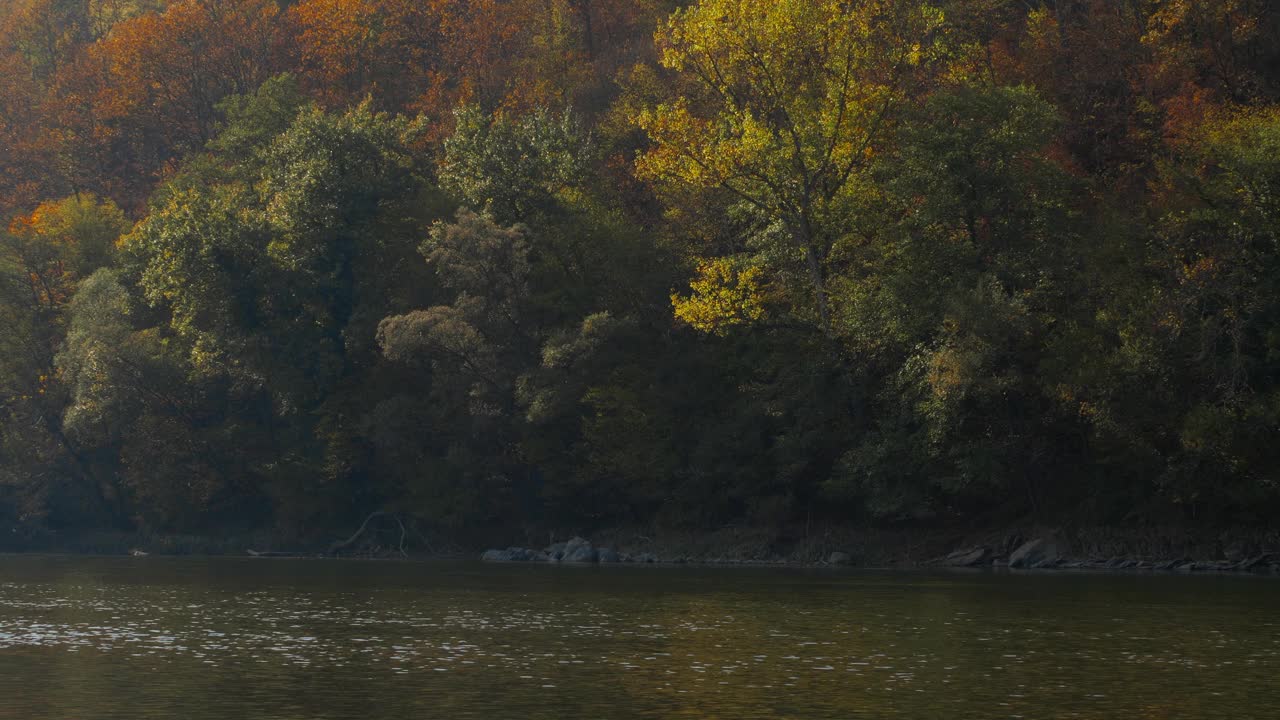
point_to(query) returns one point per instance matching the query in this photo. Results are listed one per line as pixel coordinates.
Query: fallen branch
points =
(344, 544)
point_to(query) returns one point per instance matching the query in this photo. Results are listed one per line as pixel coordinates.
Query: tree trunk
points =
(803, 232)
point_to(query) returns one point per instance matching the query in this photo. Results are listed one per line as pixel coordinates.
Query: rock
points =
(1252, 563)
(970, 557)
(1038, 553)
(514, 554)
(646, 558)
(1186, 567)
(138, 553)
(839, 558)
(608, 555)
(579, 550)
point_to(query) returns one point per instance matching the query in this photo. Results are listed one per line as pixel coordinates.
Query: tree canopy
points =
(563, 265)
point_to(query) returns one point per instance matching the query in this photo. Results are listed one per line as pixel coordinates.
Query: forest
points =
(577, 264)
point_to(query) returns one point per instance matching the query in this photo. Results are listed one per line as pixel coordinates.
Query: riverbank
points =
(1254, 550)
(1029, 548)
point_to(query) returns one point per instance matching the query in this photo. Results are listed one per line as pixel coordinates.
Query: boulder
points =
(1038, 553)
(514, 554)
(646, 558)
(967, 557)
(608, 555)
(1253, 563)
(840, 558)
(579, 550)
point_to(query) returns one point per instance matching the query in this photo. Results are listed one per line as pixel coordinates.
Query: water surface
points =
(231, 638)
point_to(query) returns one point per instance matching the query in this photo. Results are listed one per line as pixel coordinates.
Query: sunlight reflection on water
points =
(85, 637)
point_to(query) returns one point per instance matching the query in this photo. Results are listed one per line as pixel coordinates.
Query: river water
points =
(291, 639)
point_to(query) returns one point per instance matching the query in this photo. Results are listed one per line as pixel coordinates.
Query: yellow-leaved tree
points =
(782, 104)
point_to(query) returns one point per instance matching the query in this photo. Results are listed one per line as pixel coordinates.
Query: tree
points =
(269, 268)
(349, 49)
(520, 169)
(1219, 234)
(783, 105)
(953, 307)
(43, 258)
(147, 92)
(295, 256)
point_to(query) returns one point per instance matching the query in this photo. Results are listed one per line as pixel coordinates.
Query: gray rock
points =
(579, 550)
(1038, 553)
(608, 555)
(514, 554)
(970, 557)
(646, 558)
(840, 558)
(1253, 563)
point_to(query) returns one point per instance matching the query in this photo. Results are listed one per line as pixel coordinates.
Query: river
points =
(224, 638)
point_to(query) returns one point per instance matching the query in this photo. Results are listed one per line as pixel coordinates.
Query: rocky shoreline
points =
(576, 550)
(1098, 549)
(1046, 551)
(1050, 553)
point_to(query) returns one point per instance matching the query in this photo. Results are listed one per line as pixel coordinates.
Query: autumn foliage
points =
(574, 262)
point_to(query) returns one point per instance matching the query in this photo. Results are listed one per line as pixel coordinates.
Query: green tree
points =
(784, 105)
(954, 308)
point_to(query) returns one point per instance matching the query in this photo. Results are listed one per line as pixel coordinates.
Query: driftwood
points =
(275, 554)
(341, 545)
